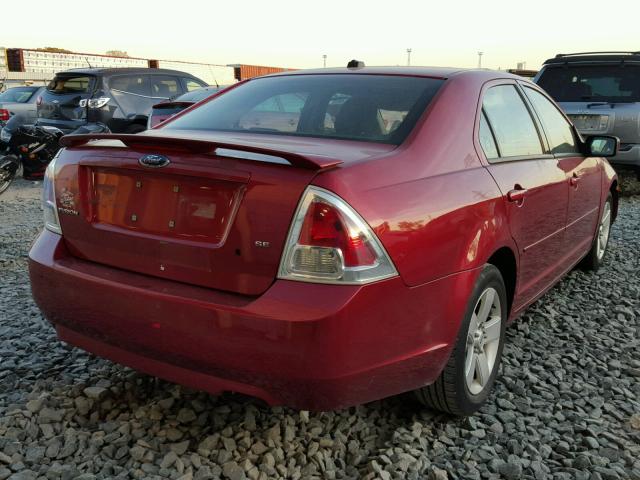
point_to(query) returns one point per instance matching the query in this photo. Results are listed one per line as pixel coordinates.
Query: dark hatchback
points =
(121, 98)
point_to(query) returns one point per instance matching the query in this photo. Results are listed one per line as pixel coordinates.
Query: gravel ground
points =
(567, 404)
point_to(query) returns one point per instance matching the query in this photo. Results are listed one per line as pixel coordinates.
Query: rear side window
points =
(513, 127)
(164, 86)
(558, 130)
(17, 94)
(190, 84)
(377, 108)
(134, 84)
(71, 84)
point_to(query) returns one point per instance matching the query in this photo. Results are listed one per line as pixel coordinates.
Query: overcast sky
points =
(296, 34)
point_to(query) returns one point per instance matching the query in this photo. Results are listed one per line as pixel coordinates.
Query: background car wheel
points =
(469, 375)
(595, 258)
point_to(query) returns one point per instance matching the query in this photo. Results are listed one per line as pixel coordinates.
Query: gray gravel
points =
(567, 404)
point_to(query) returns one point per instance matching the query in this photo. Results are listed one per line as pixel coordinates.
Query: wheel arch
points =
(615, 197)
(504, 259)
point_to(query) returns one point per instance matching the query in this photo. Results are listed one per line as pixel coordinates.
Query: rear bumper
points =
(309, 346)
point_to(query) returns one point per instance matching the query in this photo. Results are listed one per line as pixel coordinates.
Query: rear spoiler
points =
(176, 144)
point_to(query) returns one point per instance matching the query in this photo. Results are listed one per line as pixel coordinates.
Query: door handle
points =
(516, 195)
(574, 180)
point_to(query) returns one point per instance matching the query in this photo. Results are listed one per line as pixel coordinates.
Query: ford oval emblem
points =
(154, 161)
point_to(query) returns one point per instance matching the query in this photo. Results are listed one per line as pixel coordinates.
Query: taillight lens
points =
(4, 114)
(51, 220)
(330, 243)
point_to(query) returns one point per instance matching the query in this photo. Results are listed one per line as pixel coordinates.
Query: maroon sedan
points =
(380, 244)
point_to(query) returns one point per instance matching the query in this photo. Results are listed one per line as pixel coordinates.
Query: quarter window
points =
(487, 141)
(515, 132)
(559, 132)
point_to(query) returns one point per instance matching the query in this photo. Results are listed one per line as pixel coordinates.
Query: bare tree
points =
(116, 53)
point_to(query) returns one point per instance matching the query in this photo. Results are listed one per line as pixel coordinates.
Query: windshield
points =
(70, 84)
(599, 83)
(376, 108)
(196, 95)
(18, 94)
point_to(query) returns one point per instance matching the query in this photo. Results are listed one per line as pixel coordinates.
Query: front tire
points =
(469, 375)
(7, 174)
(595, 258)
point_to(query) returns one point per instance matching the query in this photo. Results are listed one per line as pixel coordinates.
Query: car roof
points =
(113, 71)
(432, 72)
(593, 57)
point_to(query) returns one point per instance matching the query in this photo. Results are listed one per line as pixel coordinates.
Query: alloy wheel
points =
(603, 230)
(483, 341)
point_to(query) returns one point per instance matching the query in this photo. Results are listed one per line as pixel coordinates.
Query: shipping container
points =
(210, 73)
(242, 72)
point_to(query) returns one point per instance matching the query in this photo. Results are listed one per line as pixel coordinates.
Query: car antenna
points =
(214, 77)
(87, 60)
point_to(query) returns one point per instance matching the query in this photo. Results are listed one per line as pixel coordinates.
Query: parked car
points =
(377, 250)
(19, 101)
(600, 91)
(120, 98)
(167, 109)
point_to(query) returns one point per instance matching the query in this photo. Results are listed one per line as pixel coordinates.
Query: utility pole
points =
(480, 59)
(408, 57)
(324, 61)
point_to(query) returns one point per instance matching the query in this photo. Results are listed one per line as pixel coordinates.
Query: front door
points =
(583, 176)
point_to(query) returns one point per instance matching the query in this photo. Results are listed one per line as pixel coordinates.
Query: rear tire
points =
(469, 375)
(595, 258)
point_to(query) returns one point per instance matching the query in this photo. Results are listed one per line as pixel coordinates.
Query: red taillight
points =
(324, 227)
(4, 114)
(330, 243)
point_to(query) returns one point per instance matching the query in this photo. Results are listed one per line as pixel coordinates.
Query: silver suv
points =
(600, 92)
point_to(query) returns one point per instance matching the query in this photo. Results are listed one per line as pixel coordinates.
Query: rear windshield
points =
(583, 83)
(71, 84)
(376, 108)
(18, 94)
(197, 95)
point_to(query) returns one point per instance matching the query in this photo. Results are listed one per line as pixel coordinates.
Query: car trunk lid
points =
(217, 215)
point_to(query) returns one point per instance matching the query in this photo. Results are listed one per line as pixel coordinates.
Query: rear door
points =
(532, 182)
(132, 93)
(60, 105)
(583, 175)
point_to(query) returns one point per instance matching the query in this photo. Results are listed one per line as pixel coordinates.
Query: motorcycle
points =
(27, 149)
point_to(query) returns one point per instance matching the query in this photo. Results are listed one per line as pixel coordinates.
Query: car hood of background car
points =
(347, 151)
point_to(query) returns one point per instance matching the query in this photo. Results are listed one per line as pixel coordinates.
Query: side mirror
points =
(602, 146)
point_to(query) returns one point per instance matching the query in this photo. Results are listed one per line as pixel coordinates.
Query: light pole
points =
(324, 61)
(408, 57)
(480, 59)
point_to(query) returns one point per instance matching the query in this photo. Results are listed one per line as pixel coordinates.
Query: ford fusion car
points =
(375, 240)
